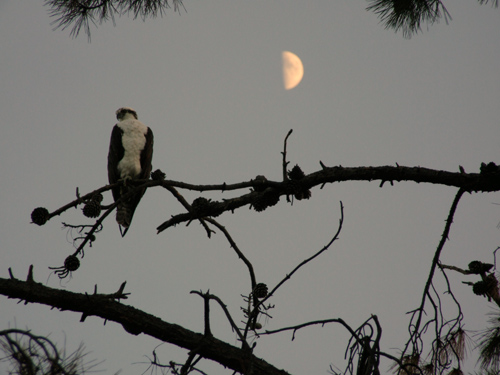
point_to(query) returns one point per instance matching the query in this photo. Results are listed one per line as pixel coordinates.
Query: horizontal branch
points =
(479, 182)
(136, 321)
(267, 191)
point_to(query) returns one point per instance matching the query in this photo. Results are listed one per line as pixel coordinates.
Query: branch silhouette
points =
(469, 182)
(135, 321)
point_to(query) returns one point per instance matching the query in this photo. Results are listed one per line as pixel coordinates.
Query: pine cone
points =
(296, 173)
(72, 263)
(268, 199)
(489, 168)
(303, 194)
(260, 290)
(97, 198)
(295, 188)
(260, 188)
(40, 215)
(200, 206)
(158, 175)
(92, 209)
(477, 268)
(480, 288)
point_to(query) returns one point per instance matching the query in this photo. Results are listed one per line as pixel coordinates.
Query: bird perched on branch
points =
(129, 158)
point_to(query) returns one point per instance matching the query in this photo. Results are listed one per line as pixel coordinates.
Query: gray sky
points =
(208, 83)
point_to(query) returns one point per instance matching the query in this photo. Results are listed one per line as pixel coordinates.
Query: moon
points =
(293, 70)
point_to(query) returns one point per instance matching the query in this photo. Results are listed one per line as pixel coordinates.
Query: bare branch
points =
(237, 250)
(285, 163)
(304, 262)
(228, 315)
(415, 328)
(135, 322)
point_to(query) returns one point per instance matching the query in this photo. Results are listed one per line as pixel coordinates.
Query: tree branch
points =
(233, 245)
(326, 247)
(415, 327)
(472, 182)
(136, 321)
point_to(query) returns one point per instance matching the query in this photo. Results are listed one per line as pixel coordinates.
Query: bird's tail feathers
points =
(124, 213)
(126, 208)
(123, 231)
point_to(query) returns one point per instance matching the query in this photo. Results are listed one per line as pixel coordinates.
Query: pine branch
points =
(469, 182)
(80, 14)
(135, 321)
(408, 15)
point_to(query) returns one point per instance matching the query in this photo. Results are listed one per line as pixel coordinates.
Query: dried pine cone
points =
(296, 173)
(489, 168)
(92, 209)
(40, 215)
(259, 188)
(158, 175)
(97, 198)
(480, 288)
(200, 205)
(303, 194)
(294, 187)
(72, 263)
(260, 290)
(476, 267)
(268, 199)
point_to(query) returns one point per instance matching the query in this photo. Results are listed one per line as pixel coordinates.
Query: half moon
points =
(293, 70)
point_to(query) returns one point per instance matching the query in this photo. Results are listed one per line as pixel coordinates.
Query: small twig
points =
(79, 199)
(326, 247)
(285, 163)
(236, 249)
(228, 315)
(315, 322)
(97, 224)
(453, 268)
(187, 206)
(190, 362)
(206, 315)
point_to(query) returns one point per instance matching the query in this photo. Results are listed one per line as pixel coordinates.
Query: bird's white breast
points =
(133, 140)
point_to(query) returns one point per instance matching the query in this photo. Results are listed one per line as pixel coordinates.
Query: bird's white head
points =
(124, 113)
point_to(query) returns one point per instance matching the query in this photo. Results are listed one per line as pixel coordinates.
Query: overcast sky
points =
(208, 82)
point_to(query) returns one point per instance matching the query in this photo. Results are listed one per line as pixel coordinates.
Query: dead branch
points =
(417, 315)
(136, 321)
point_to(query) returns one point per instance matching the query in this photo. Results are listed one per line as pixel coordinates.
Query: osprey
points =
(129, 158)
